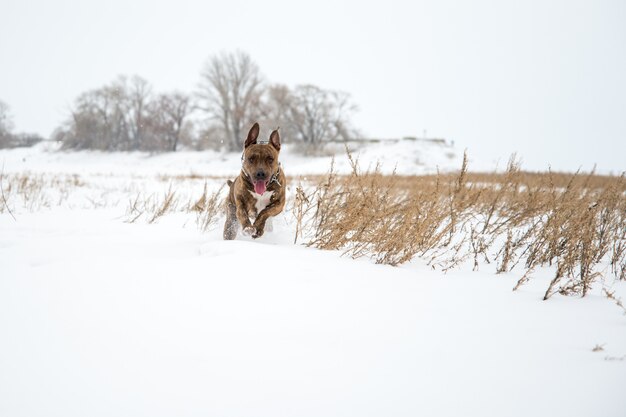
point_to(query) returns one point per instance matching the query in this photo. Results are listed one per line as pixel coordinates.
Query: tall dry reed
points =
(574, 222)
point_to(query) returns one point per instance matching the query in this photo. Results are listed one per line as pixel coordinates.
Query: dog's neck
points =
(275, 177)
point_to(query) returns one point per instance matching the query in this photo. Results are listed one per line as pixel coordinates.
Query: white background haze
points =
(543, 79)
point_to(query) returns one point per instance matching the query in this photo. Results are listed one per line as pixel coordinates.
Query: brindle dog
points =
(259, 190)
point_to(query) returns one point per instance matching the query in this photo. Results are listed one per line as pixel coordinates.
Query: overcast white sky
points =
(545, 79)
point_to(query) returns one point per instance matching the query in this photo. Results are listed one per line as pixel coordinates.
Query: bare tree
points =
(5, 117)
(6, 125)
(98, 120)
(8, 139)
(318, 115)
(168, 119)
(209, 136)
(277, 104)
(109, 118)
(230, 92)
(137, 97)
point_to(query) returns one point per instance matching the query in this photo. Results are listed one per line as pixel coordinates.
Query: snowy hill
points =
(102, 316)
(407, 156)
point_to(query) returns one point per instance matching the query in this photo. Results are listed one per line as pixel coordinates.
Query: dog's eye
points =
(251, 159)
(270, 159)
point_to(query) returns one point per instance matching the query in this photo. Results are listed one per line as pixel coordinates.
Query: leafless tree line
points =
(127, 115)
(9, 139)
(231, 95)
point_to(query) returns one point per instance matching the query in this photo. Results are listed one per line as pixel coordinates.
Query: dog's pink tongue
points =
(259, 187)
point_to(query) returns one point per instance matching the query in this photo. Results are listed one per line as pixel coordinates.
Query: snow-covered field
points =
(409, 157)
(102, 317)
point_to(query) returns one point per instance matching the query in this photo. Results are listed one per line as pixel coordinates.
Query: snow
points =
(407, 156)
(103, 317)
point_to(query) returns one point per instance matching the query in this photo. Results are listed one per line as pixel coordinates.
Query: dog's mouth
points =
(260, 186)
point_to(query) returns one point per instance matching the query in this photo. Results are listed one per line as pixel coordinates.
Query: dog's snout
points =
(260, 175)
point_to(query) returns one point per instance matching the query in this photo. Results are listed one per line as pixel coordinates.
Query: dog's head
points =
(260, 161)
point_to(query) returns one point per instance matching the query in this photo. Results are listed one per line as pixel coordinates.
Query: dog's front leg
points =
(230, 226)
(244, 218)
(270, 210)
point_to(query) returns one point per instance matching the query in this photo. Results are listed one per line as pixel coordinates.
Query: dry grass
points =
(154, 206)
(618, 301)
(515, 220)
(32, 192)
(574, 222)
(208, 208)
(5, 204)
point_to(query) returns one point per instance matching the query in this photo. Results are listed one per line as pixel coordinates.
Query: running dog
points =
(259, 190)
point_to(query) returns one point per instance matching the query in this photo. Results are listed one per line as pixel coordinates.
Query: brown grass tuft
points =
(573, 222)
(611, 296)
(207, 208)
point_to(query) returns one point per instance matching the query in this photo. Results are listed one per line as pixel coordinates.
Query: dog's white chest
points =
(262, 200)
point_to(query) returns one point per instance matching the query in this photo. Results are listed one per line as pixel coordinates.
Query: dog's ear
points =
(252, 135)
(275, 140)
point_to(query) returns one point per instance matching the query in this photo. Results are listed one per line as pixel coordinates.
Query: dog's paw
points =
(250, 231)
(258, 233)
